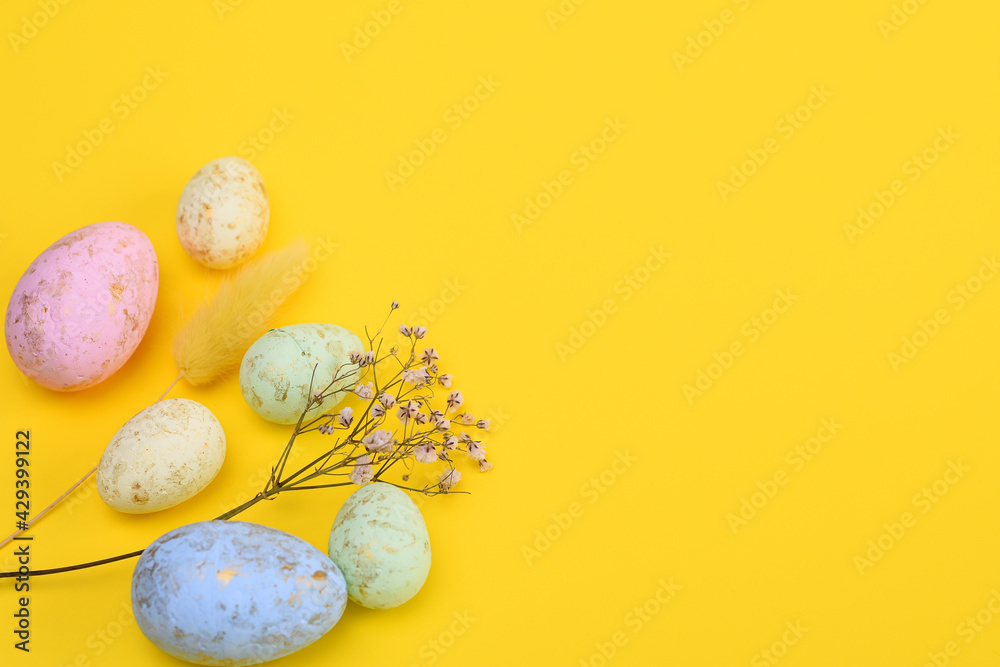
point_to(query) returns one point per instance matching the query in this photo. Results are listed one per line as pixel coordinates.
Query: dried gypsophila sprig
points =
(396, 424)
(420, 435)
(415, 432)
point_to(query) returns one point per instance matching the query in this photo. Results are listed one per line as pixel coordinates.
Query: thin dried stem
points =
(50, 506)
(176, 380)
(80, 481)
(352, 450)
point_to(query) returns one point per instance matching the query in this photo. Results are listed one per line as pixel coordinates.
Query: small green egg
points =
(380, 543)
(276, 371)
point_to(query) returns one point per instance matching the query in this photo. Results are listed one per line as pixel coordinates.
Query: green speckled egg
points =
(276, 370)
(379, 541)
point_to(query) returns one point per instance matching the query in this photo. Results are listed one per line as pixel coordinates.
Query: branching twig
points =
(365, 441)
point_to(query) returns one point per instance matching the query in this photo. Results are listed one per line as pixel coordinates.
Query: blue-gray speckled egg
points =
(235, 593)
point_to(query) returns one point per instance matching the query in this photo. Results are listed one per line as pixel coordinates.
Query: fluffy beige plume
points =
(221, 330)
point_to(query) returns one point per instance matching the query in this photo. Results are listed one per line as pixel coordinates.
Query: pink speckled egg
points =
(79, 311)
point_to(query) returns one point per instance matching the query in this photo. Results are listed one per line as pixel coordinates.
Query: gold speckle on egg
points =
(225, 576)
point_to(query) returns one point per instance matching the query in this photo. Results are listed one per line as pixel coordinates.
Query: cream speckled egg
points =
(161, 457)
(223, 213)
(379, 541)
(276, 370)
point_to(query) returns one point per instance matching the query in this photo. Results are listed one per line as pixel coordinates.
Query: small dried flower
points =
(362, 472)
(455, 400)
(449, 479)
(476, 451)
(368, 447)
(425, 453)
(413, 376)
(378, 441)
(408, 411)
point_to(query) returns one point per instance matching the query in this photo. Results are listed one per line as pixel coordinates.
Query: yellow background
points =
(560, 418)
